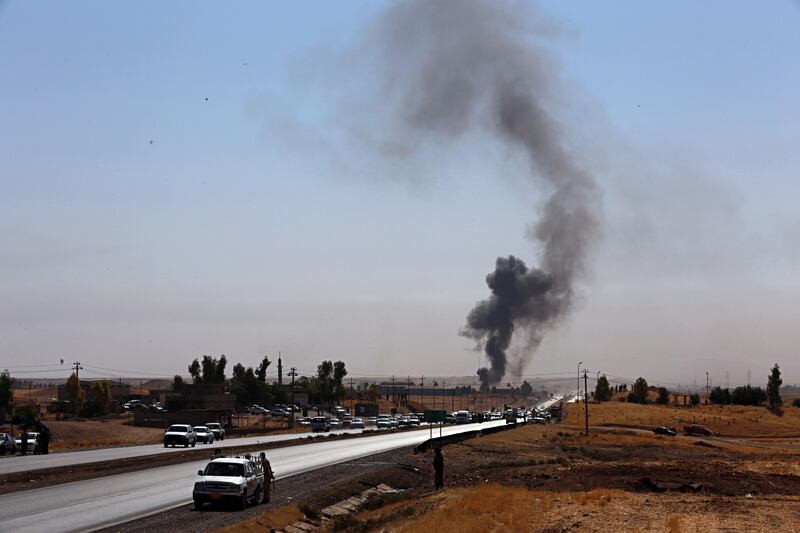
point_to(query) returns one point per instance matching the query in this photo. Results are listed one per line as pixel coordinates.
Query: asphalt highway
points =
(33, 462)
(97, 503)
(19, 463)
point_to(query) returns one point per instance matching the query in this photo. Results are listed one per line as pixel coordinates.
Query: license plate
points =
(216, 495)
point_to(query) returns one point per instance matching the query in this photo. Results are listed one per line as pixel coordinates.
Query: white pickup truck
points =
(229, 479)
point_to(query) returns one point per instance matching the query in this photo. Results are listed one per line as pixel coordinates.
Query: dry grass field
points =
(552, 478)
(273, 518)
(493, 507)
(728, 420)
(96, 434)
(545, 478)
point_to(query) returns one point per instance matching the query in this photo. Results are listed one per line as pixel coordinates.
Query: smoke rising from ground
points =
(452, 65)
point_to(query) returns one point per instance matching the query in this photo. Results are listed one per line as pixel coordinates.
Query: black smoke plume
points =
(448, 66)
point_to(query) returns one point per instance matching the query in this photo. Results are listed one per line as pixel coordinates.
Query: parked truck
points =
(236, 480)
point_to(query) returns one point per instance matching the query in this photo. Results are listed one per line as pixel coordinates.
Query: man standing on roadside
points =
(44, 441)
(269, 476)
(24, 439)
(438, 468)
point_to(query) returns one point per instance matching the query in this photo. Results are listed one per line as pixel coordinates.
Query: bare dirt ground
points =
(728, 420)
(550, 478)
(117, 430)
(109, 431)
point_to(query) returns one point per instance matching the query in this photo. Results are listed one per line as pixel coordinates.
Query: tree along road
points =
(97, 503)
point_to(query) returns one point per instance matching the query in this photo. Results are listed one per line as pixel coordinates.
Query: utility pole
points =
(292, 373)
(352, 399)
(280, 369)
(77, 367)
(706, 388)
(586, 399)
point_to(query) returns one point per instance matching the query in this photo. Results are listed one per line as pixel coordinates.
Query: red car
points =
(697, 429)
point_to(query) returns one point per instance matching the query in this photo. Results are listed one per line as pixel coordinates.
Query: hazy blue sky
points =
(175, 180)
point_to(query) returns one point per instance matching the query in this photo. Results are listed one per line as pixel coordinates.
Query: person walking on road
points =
(438, 468)
(24, 439)
(269, 476)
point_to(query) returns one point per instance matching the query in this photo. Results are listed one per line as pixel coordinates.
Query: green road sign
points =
(435, 416)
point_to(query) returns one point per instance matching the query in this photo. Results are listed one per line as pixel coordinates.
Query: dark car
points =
(180, 434)
(7, 444)
(663, 430)
(320, 423)
(697, 429)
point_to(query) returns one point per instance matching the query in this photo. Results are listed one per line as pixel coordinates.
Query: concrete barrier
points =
(438, 442)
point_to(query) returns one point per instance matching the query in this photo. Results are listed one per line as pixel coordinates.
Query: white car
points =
(180, 434)
(217, 430)
(357, 423)
(204, 434)
(33, 442)
(7, 444)
(383, 422)
(233, 479)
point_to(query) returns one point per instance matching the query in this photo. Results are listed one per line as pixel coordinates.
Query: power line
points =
(135, 372)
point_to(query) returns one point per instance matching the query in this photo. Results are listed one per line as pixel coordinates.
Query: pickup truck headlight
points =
(199, 486)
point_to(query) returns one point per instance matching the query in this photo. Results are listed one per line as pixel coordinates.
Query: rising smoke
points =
(453, 65)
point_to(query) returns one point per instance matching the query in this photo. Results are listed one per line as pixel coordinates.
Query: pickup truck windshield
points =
(178, 429)
(225, 469)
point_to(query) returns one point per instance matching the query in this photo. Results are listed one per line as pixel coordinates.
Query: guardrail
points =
(438, 442)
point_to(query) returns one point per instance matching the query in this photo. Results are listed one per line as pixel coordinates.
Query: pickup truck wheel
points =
(186, 445)
(243, 502)
(198, 505)
(165, 445)
(195, 442)
(257, 498)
